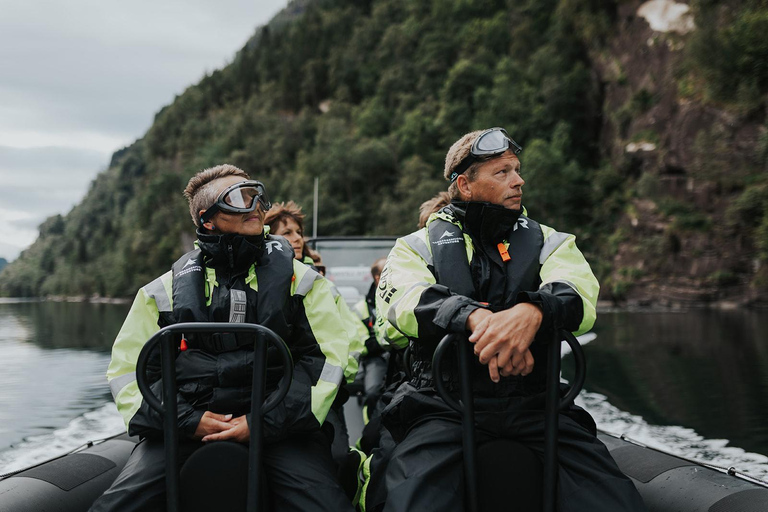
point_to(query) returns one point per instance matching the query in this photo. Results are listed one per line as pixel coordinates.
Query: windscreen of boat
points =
(348, 263)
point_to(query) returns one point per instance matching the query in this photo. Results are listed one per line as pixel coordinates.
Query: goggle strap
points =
(209, 213)
(463, 166)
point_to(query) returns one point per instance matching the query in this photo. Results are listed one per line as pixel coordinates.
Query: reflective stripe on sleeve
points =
(118, 383)
(157, 291)
(307, 282)
(332, 373)
(417, 244)
(551, 244)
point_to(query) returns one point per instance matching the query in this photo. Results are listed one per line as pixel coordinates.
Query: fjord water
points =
(694, 383)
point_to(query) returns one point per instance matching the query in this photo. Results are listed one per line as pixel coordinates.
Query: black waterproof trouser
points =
(300, 477)
(424, 471)
(340, 444)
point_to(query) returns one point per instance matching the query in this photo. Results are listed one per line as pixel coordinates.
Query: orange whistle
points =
(503, 252)
(183, 345)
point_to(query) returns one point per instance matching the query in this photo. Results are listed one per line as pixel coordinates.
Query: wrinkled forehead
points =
(508, 158)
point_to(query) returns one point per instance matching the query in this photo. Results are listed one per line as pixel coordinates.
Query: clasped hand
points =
(502, 339)
(222, 427)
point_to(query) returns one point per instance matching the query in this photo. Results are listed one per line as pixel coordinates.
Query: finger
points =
(211, 437)
(507, 370)
(490, 350)
(216, 426)
(479, 330)
(220, 436)
(493, 370)
(505, 355)
(528, 363)
(488, 336)
(518, 363)
(218, 417)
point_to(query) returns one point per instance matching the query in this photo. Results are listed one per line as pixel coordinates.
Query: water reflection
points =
(67, 324)
(46, 376)
(707, 370)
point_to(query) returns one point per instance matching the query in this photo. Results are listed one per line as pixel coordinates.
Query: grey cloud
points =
(85, 68)
(109, 67)
(41, 199)
(70, 160)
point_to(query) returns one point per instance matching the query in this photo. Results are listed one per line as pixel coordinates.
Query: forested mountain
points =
(646, 138)
(3, 263)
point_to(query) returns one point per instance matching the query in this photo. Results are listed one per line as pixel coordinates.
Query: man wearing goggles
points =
(482, 268)
(236, 273)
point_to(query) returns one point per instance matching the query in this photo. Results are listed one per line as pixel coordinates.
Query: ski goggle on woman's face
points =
(241, 197)
(490, 143)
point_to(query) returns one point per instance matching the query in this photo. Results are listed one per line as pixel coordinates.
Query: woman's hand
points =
(238, 431)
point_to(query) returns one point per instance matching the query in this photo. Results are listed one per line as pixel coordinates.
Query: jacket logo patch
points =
(190, 261)
(521, 222)
(274, 245)
(445, 241)
(195, 268)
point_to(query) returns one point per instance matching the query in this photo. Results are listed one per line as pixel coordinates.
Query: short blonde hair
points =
(458, 152)
(200, 192)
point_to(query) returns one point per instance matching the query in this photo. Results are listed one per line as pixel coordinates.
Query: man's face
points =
(497, 181)
(249, 224)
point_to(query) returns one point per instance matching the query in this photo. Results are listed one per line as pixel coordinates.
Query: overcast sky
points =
(80, 79)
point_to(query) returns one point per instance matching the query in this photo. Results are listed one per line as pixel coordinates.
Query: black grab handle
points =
(168, 407)
(554, 404)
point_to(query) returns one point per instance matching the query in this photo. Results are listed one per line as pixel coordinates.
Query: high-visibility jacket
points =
(300, 308)
(413, 305)
(365, 309)
(357, 332)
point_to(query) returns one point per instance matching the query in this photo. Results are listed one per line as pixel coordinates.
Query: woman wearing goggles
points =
(239, 208)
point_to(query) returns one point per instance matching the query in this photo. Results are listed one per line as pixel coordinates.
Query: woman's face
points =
(291, 230)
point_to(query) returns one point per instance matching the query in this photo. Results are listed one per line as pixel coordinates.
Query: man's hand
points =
(502, 339)
(212, 423)
(238, 431)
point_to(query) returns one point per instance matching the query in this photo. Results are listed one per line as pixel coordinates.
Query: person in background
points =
(432, 205)
(482, 268)
(237, 273)
(287, 220)
(374, 364)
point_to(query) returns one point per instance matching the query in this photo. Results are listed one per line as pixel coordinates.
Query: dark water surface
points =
(706, 370)
(53, 360)
(694, 383)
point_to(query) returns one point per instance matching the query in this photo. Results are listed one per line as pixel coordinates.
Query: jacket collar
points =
(230, 252)
(485, 221)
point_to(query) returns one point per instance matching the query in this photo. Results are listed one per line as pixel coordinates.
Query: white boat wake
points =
(91, 426)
